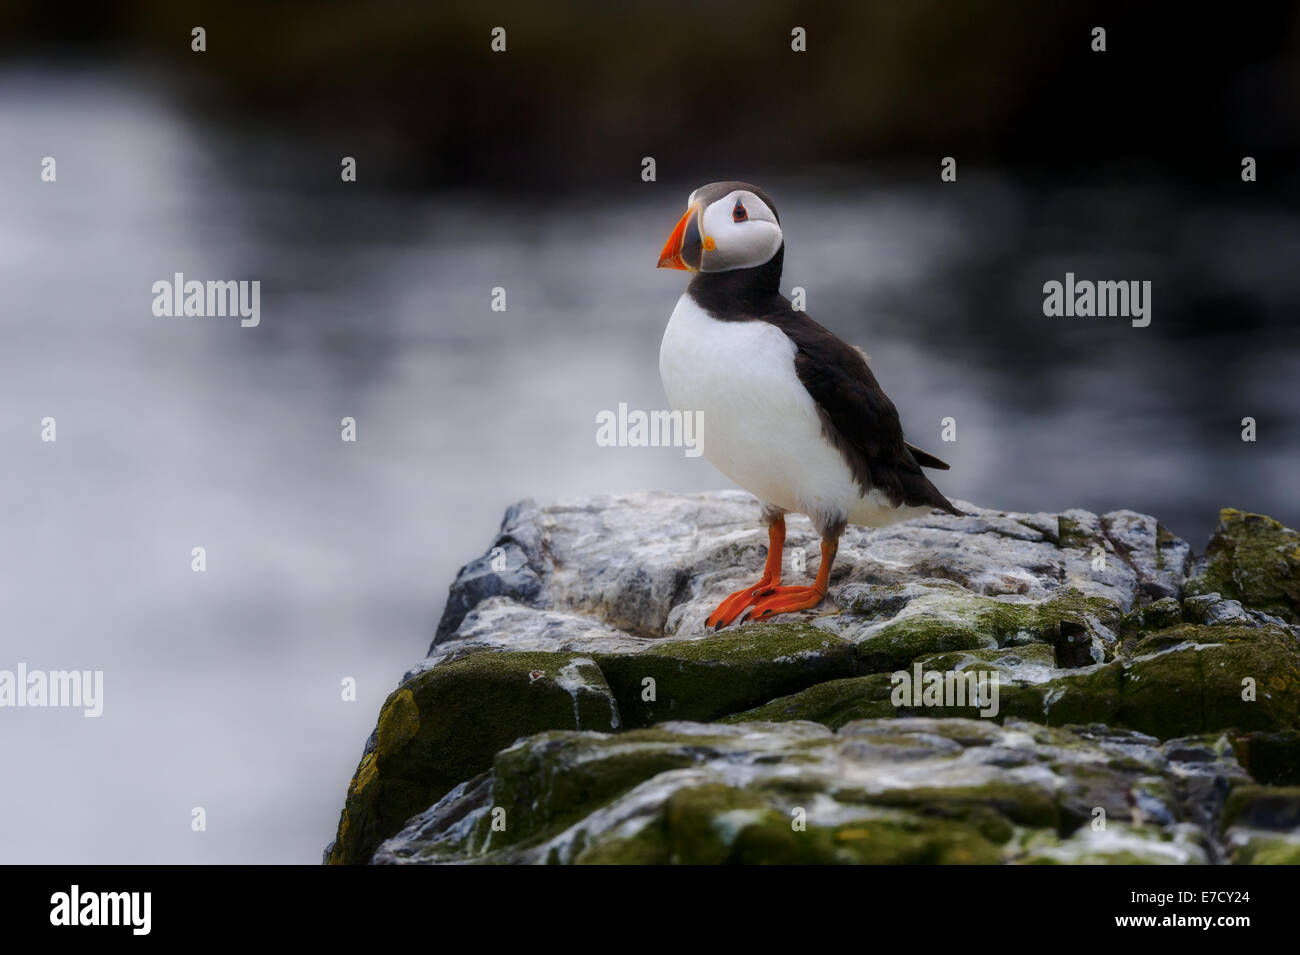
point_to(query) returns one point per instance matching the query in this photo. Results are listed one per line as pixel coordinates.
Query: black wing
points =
(858, 417)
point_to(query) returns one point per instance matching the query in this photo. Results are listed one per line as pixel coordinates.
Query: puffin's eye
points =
(739, 214)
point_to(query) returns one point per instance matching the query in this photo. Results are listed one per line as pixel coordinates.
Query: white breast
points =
(760, 425)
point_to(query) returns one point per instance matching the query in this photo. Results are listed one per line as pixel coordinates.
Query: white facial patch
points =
(742, 244)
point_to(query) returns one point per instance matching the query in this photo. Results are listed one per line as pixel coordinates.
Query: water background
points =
(329, 560)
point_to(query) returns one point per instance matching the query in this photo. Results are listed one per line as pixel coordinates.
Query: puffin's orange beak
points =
(685, 247)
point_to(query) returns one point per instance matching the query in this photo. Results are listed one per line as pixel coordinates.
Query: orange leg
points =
(733, 606)
(789, 599)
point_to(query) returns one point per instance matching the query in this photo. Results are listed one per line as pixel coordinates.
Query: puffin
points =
(793, 414)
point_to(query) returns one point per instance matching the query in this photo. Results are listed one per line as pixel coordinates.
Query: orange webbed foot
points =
(786, 600)
(736, 604)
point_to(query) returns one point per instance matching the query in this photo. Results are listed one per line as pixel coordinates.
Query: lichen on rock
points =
(445, 724)
(573, 707)
(1254, 560)
(897, 790)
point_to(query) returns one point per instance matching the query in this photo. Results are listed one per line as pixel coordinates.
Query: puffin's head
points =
(728, 225)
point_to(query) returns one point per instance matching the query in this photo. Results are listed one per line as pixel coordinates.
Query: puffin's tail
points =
(926, 459)
(929, 493)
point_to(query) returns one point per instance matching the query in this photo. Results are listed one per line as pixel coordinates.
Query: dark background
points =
(586, 85)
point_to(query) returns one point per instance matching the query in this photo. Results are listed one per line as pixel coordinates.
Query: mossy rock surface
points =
(1118, 844)
(890, 791)
(1269, 808)
(1022, 803)
(1267, 850)
(832, 703)
(1181, 681)
(1157, 615)
(1254, 559)
(447, 723)
(718, 824)
(838, 702)
(1273, 758)
(722, 825)
(558, 778)
(956, 620)
(1261, 825)
(590, 718)
(722, 674)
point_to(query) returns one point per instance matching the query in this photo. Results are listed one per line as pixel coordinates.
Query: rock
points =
(1157, 615)
(1175, 682)
(1158, 557)
(445, 724)
(1178, 681)
(1262, 825)
(1254, 560)
(573, 695)
(1118, 845)
(943, 617)
(500, 624)
(1214, 611)
(1177, 678)
(653, 564)
(1272, 758)
(516, 550)
(708, 679)
(877, 791)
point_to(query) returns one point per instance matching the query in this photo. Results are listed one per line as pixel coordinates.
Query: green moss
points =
(399, 721)
(1163, 613)
(1023, 804)
(556, 779)
(1120, 843)
(1268, 657)
(888, 841)
(964, 622)
(717, 824)
(838, 702)
(645, 848)
(1267, 850)
(909, 638)
(1171, 679)
(706, 679)
(1063, 701)
(1267, 820)
(1072, 533)
(1004, 660)
(1225, 658)
(444, 726)
(1268, 808)
(1163, 696)
(1167, 691)
(1254, 559)
(1185, 680)
(832, 703)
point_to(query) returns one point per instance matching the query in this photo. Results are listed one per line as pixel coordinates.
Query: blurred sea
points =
(329, 560)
